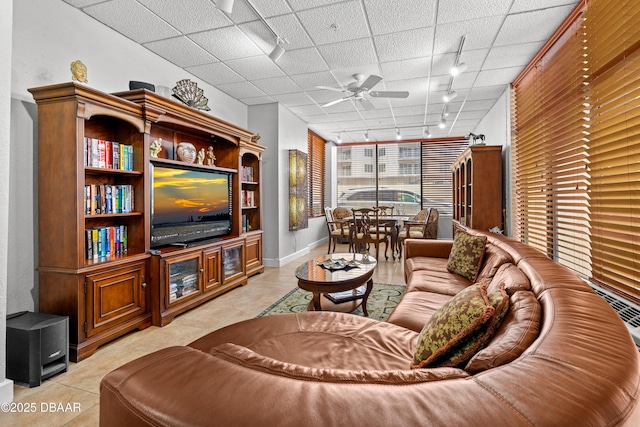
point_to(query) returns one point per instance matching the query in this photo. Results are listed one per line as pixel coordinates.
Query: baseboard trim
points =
(6, 391)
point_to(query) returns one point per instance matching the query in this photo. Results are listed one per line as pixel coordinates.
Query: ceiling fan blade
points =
(329, 104)
(370, 82)
(335, 89)
(389, 94)
(366, 104)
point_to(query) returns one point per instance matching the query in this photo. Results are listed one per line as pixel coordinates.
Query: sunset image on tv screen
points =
(186, 196)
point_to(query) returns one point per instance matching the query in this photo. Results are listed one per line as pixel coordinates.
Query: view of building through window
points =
(408, 176)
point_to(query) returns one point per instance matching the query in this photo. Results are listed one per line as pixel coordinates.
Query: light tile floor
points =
(79, 387)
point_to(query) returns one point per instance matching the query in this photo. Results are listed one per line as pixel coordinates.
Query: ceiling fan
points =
(359, 88)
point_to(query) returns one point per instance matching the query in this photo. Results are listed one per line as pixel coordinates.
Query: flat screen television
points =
(189, 205)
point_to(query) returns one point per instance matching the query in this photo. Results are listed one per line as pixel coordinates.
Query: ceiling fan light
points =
(459, 69)
(225, 5)
(277, 52)
(450, 96)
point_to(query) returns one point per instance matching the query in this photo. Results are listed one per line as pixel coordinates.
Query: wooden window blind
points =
(576, 150)
(436, 160)
(316, 174)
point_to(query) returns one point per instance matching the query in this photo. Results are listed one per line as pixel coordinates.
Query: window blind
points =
(576, 150)
(436, 160)
(315, 173)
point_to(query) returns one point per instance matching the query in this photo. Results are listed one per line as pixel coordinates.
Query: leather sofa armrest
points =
(427, 248)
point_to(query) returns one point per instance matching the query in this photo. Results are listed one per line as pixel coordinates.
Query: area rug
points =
(382, 300)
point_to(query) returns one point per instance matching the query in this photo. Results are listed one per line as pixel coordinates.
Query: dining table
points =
(393, 222)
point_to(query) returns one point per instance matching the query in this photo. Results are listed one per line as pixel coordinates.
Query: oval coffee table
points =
(344, 289)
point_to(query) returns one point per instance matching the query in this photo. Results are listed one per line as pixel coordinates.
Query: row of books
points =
(108, 199)
(248, 199)
(105, 242)
(100, 153)
(246, 174)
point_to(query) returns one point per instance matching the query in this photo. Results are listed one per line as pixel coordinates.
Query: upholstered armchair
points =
(338, 229)
(422, 226)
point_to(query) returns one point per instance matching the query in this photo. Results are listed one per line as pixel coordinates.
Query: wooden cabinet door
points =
(114, 296)
(212, 268)
(182, 278)
(254, 252)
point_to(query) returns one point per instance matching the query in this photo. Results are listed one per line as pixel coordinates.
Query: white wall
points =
(47, 36)
(6, 386)
(496, 127)
(281, 131)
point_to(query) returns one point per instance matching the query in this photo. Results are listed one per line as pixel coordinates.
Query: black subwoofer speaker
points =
(37, 346)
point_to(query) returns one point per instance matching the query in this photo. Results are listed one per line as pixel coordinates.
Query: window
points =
(368, 152)
(437, 158)
(575, 146)
(315, 174)
(382, 152)
(382, 167)
(368, 168)
(346, 170)
(409, 169)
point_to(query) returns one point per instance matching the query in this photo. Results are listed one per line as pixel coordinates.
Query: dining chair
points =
(422, 226)
(336, 229)
(367, 230)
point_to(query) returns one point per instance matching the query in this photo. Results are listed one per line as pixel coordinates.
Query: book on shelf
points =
(101, 153)
(248, 198)
(108, 199)
(247, 174)
(105, 242)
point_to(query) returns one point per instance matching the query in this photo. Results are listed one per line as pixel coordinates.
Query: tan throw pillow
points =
(451, 325)
(466, 254)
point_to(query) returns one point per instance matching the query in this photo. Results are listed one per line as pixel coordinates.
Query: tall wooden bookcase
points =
(106, 296)
(477, 188)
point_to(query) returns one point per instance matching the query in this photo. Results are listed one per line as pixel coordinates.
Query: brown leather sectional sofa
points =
(561, 357)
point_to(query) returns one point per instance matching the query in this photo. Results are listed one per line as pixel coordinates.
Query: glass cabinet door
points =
(233, 265)
(183, 277)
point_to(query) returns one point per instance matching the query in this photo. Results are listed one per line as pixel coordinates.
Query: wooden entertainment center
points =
(128, 284)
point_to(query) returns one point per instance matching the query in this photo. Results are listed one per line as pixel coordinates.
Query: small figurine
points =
(156, 148)
(211, 158)
(200, 159)
(496, 230)
(255, 138)
(79, 71)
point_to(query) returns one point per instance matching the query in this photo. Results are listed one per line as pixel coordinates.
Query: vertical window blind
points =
(576, 146)
(315, 173)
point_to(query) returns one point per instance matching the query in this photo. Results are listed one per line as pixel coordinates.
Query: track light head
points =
(277, 51)
(366, 136)
(338, 139)
(450, 96)
(225, 5)
(458, 69)
(398, 136)
(442, 123)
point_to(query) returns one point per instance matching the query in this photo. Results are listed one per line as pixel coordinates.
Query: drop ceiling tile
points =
(241, 90)
(322, 96)
(342, 107)
(302, 61)
(489, 92)
(335, 23)
(416, 120)
(464, 80)
(407, 69)
(527, 5)
(442, 64)
(133, 20)
(349, 53)
(82, 3)
(511, 55)
(480, 34)
(404, 45)
(260, 35)
(376, 114)
(503, 76)
(413, 86)
(518, 27)
(258, 100)
(320, 118)
(308, 4)
(227, 43)
(472, 115)
(293, 99)
(268, 8)
(309, 81)
(306, 110)
(385, 18)
(482, 104)
(288, 27)
(276, 85)
(215, 74)
(351, 125)
(241, 12)
(413, 99)
(181, 51)
(201, 15)
(343, 117)
(460, 10)
(256, 67)
(409, 111)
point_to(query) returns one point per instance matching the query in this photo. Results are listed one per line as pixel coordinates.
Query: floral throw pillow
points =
(466, 254)
(465, 316)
